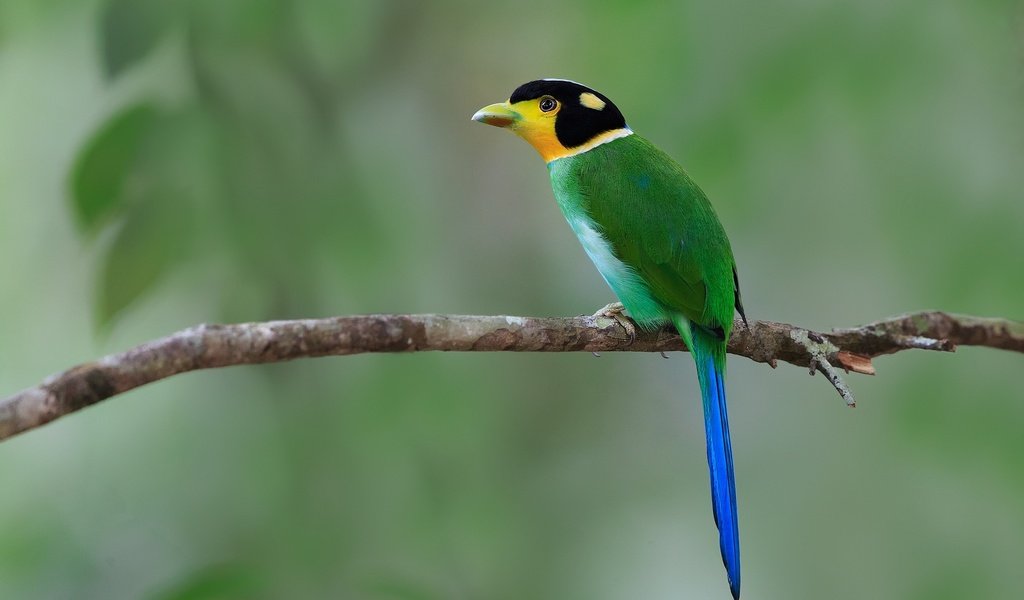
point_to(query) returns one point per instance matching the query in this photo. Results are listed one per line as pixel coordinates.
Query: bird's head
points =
(558, 117)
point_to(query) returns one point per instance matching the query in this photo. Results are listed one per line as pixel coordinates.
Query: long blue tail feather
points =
(710, 372)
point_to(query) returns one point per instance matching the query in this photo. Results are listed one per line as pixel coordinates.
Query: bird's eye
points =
(548, 104)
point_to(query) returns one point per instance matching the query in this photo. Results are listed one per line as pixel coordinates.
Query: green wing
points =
(659, 223)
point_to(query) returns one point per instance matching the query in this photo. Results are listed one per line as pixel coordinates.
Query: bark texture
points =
(213, 346)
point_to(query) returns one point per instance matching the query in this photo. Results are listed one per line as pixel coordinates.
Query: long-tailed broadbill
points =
(654, 237)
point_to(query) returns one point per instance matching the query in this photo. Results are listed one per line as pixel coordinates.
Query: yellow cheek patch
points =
(591, 101)
(538, 128)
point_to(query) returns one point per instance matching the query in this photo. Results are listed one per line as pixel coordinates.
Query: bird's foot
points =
(616, 311)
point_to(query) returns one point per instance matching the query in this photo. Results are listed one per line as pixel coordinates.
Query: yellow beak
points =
(499, 115)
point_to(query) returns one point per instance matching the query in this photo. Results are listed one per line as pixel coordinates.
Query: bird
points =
(655, 239)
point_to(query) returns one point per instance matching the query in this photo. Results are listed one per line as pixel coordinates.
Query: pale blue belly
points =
(631, 290)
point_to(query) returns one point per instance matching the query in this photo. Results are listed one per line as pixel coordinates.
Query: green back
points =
(658, 222)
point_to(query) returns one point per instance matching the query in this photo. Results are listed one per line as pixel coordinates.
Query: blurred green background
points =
(168, 163)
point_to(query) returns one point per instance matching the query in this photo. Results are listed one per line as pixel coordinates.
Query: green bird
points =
(654, 237)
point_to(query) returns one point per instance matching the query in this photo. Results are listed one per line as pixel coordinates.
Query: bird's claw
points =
(616, 311)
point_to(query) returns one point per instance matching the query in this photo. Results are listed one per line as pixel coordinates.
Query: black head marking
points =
(576, 124)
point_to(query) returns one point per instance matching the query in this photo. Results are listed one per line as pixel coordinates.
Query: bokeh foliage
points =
(164, 163)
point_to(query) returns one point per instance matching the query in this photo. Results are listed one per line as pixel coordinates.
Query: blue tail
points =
(711, 373)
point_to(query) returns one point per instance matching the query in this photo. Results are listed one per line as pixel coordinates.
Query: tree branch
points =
(212, 346)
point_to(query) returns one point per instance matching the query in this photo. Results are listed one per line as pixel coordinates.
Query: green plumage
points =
(654, 237)
(659, 224)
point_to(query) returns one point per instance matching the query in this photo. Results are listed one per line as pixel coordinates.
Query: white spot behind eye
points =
(591, 101)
